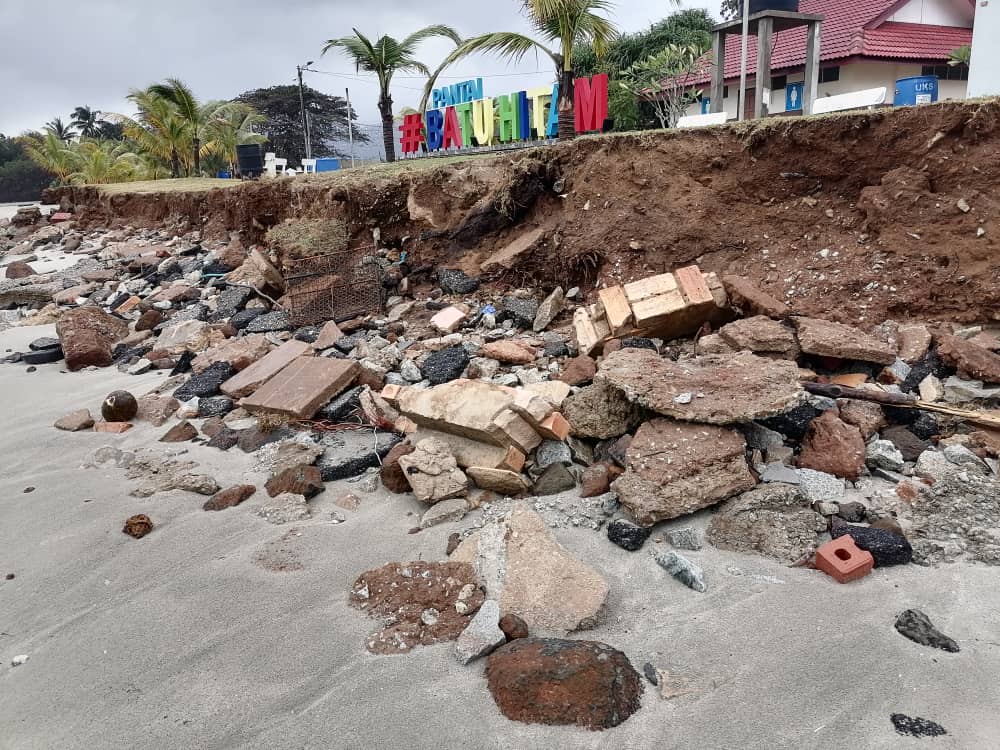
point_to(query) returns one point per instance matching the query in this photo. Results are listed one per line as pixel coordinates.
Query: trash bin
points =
(916, 90)
(327, 165)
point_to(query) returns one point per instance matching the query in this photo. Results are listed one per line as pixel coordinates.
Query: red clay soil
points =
(857, 218)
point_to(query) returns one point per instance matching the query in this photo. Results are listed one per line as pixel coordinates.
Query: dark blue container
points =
(916, 90)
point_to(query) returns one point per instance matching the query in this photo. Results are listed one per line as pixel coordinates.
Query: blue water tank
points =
(327, 165)
(916, 90)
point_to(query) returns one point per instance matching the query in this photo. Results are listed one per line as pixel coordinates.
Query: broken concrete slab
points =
(302, 387)
(972, 361)
(531, 575)
(260, 371)
(601, 411)
(433, 472)
(713, 388)
(348, 454)
(761, 335)
(675, 468)
(825, 338)
(482, 635)
(501, 481)
(753, 301)
(453, 509)
(240, 352)
(469, 452)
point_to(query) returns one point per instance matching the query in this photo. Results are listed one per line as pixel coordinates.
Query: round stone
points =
(119, 406)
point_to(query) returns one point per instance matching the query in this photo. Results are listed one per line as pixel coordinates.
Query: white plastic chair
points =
(865, 99)
(700, 121)
(308, 166)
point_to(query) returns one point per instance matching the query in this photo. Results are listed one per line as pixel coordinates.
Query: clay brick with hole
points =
(843, 560)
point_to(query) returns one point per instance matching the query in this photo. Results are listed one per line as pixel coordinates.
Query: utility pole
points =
(741, 101)
(350, 127)
(302, 105)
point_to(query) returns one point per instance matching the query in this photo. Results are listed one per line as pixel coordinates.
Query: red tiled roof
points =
(844, 35)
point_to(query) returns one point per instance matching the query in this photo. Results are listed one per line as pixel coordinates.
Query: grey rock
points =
(683, 570)
(522, 311)
(686, 537)
(482, 635)
(958, 390)
(821, 487)
(884, 455)
(445, 512)
(762, 438)
(549, 310)
(272, 321)
(962, 456)
(780, 473)
(410, 372)
(215, 406)
(552, 452)
(600, 411)
(555, 479)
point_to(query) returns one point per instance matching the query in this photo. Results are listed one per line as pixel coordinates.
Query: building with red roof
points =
(865, 44)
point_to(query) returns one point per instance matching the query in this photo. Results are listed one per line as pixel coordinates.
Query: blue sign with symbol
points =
(793, 96)
(706, 106)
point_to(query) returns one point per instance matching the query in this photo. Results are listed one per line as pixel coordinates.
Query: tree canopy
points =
(282, 120)
(21, 179)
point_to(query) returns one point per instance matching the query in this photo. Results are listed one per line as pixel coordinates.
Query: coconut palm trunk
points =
(175, 164)
(565, 105)
(388, 128)
(196, 154)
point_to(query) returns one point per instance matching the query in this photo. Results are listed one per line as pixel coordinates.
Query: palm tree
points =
(102, 162)
(51, 153)
(384, 58)
(233, 125)
(195, 115)
(157, 129)
(87, 121)
(60, 130)
(569, 23)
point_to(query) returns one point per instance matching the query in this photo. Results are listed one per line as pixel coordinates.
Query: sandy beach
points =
(187, 638)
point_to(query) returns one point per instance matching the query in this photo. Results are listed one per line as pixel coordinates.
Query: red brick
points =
(253, 377)
(554, 427)
(843, 560)
(693, 285)
(302, 387)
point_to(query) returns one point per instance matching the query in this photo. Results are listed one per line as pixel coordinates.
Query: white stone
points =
(482, 635)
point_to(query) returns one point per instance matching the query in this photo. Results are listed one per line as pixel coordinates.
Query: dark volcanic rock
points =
(229, 498)
(916, 727)
(298, 480)
(206, 383)
(519, 309)
(555, 349)
(119, 406)
(638, 343)
(793, 423)
(925, 426)
(194, 312)
(342, 406)
(45, 342)
(272, 321)
(453, 281)
(215, 406)
(352, 452)
(555, 681)
(886, 547)
(183, 365)
(43, 356)
(930, 364)
(917, 626)
(309, 334)
(243, 318)
(345, 344)
(627, 535)
(445, 365)
(906, 442)
(224, 438)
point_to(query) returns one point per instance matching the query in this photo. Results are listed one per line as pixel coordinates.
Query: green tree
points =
(102, 162)
(282, 120)
(157, 129)
(233, 125)
(86, 121)
(385, 57)
(664, 80)
(195, 115)
(960, 56)
(732, 9)
(21, 179)
(51, 153)
(60, 130)
(564, 25)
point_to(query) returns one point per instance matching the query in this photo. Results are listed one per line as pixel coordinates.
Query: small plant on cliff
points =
(385, 57)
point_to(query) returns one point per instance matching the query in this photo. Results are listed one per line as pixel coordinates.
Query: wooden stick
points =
(905, 401)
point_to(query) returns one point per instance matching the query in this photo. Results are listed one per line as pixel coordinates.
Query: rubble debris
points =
(513, 627)
(508, 352)
(549, 310)
(554, 479)
(832, 446)
(205, 383)
(302, 387)
(531, 575)
(774, 520)
(262, 369)
(433, 472)
(578, 371)
(88, 336)
(824, 338)
(972, 361)
(241, 352)
(229, 497)
(503, 481)
(675, 468)
(163, 475)
(420, 601)
(600, 411)
(843, 560)
(444, 511)
(445, 365)
(596, 480)
(683, 570)
(119, 406)
(349, 454)
(285, 508)
(761, 335)
(916, 727)
(867, 416)
(75, 421)
(181, 432)
(726, 389)
(138, 526)
(454, 281)
(884, 455)
(627, 535)
(450, 319)
(482, 635)
(20, 660)
(685, 537)
(746, 297)
(112, 427)
(391, 473)
(554, 681)
(886, 548)
(917, 626)
(297, 480)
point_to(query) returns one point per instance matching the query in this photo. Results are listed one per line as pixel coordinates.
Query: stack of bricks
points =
(668, 306)
(487, 426)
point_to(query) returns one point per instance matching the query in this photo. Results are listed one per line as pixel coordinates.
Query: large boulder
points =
(775, 520)
(553, 681)
(833, 446)
(675, 468)
(714, 388)
(532, 576)
(88, 336)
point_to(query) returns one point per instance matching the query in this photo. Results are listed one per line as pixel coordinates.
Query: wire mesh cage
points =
(335, 286)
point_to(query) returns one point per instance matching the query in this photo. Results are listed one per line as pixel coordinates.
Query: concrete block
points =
(302, 387)
(253, 377)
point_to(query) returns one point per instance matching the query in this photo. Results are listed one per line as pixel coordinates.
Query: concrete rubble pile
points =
(671, 408)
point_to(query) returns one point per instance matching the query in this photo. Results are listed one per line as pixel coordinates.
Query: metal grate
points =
(336, 286)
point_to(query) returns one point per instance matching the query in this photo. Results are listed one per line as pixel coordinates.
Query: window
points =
(778, 82)
(725, 92)
(829, 75)
(947, 72)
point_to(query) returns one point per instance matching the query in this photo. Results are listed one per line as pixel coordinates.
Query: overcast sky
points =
(57, 54)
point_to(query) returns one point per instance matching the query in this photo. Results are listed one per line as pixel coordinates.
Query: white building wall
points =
(854, 76)
(984, 68)
(935, 12)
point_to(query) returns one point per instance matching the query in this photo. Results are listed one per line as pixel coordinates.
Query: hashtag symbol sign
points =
(413, 133)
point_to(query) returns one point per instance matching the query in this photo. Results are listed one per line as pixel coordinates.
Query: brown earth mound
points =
(859, 218)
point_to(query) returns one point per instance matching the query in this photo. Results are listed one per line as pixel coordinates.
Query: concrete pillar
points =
(985, 62)
(811, 88)
(716, 93)
(762, 84)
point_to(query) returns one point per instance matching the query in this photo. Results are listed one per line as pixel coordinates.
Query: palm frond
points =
(410, 43)
(507, 43)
